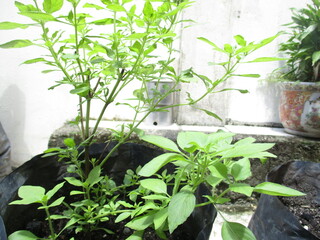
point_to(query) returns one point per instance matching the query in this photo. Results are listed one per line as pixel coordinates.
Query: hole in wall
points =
(155, 123)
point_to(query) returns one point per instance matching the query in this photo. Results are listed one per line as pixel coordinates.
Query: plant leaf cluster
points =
(101, 48)
(303, 44)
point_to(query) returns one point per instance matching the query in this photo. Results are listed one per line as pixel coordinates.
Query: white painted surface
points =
(29, 113)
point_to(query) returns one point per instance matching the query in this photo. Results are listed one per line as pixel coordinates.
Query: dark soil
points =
(40, 228)
(306, 211)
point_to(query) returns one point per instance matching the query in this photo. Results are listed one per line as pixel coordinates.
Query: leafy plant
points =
(37, 194)
(209, 159)
(101, 48)
(303, 45)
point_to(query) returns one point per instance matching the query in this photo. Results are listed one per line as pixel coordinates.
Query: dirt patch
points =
(306, 208)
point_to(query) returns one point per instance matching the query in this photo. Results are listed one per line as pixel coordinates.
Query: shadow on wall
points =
(12, 117)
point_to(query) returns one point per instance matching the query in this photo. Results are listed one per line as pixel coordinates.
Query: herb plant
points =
(101, 53)
(303, 44)
(204, 159)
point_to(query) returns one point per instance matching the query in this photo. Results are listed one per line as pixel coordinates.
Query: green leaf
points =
(158, 162)
(250, 75)
(39, 16)
(240, 40)
(105, 21)
(136, 36)
(22, 234)
(236, 231)
(180, 208)
(148, 10)
(94, 176)
(162, 142)
(12, 25)
(155, 197)
(50, 6)
(73, 181)
(266, 59)
(54, 190)
(228, 48)
(76, 193)
(192, 141)
(57, 202)
(315, 57)
(215, 47)
(70, 56)
(116, 8)
(213, 181)
(69, 142)
(248, 150)
(155, 185)
(241, 169)
(122, 216)
(25, 8)
(137, 235)
(241, 188)
(17, 44)
(211, 114)
(141, 223)
(35, 60)
(276, 189)
(309, 30)
(90, 5)
(219, 170)
(160, 217)
(30, 194)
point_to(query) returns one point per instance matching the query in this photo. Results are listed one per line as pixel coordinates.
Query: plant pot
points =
(275, 220)
(300, 108)
(47, 172)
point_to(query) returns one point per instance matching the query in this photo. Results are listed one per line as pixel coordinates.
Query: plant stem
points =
(53, 235)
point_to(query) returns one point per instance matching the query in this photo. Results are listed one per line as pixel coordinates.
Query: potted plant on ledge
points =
(300, 96)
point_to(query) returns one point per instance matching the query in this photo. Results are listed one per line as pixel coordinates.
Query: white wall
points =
(219, 21)
(29, 113)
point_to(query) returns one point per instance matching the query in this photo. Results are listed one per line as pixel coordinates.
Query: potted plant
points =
(101, 52)
(299, 102)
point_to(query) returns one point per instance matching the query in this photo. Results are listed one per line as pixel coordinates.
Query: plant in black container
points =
(101, 48)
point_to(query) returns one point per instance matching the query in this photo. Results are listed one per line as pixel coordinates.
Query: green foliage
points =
(303, 44)
(211, 159)
(37, 194)
(101, 48)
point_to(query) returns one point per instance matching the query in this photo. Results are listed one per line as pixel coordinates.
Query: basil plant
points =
(101, 48)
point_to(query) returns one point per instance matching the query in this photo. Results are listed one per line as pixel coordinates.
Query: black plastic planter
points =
(272, 219)
(47, 172)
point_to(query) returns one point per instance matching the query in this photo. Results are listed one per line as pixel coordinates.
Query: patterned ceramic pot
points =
(300, 108)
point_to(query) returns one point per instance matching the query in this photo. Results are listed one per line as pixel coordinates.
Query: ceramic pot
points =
(300, 108)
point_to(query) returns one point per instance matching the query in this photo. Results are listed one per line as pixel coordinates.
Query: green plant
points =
(37, 194)
(303, 45)
(102, 48)
(208, 159)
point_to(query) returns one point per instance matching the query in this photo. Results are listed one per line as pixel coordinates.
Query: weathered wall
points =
(219, 21)
(29, 113)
